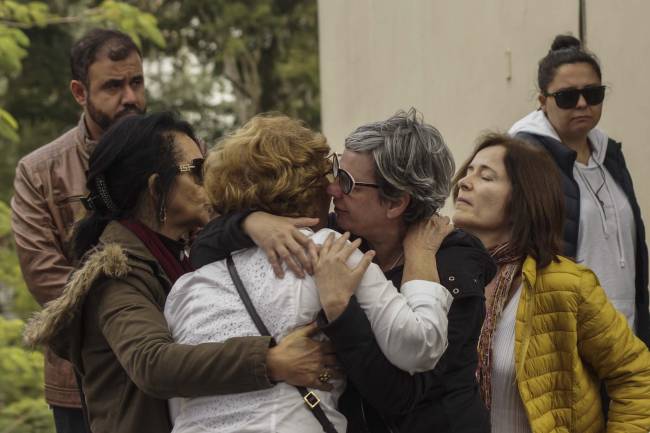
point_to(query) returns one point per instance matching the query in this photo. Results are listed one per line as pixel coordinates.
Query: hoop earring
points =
(162, 214)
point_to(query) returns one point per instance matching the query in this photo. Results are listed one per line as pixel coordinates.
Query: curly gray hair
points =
(410, 157)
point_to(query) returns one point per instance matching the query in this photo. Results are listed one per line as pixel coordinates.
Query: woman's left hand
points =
(421, 244)
(427, 235)
(335, 280)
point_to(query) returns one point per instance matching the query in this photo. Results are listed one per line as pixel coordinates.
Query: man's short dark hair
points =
(84, 52)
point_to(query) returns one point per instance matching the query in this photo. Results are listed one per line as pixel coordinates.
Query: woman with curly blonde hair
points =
(276, 164)
(272, 163)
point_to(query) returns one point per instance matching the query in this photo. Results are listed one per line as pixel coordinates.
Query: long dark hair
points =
(132, 150)
(536, 206)
(565, 49)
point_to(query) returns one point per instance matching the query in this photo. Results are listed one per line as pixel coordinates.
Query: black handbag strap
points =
(309, 397)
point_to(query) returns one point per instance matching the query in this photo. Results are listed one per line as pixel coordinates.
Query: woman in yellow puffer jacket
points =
(550, 335)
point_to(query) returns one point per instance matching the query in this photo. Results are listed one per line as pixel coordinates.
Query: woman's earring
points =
(162, 215)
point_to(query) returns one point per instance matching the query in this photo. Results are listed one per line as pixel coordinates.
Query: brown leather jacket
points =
(47, 189)
(109, 322)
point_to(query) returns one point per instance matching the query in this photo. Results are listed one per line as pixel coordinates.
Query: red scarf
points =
(173, 266)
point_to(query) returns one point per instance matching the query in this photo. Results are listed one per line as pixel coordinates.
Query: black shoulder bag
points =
(310, 398)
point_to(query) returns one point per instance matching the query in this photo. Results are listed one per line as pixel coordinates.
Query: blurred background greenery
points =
(216, 62)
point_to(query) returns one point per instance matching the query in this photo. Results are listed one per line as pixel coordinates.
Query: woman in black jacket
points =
(377, 198)
(603, 227)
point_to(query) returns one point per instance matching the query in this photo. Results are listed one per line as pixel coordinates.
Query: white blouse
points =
(507, 413)
(204, 306)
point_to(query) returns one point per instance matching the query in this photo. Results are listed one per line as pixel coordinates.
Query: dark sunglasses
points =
(569, 98)
(345, 179)
(194, 167)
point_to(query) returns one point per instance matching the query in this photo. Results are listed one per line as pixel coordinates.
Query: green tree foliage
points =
(266, 51)
(29, 415)
(40, 99)
(21, 374)
(15, 300)
(22, 408)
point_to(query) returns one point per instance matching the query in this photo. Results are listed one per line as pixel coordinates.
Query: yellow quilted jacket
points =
(567, 336)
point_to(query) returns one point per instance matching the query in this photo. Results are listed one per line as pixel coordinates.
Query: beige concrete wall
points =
(619, 33)
(471, 66)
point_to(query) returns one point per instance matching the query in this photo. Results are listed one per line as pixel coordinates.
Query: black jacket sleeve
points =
(388, 389)
(220, 237)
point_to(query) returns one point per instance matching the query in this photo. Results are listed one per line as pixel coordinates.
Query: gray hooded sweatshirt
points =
(606, 236)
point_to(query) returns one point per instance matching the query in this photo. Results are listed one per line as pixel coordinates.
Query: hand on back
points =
(299, 360)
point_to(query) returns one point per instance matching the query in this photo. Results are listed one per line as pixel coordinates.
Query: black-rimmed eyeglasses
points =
(345, 179)
(568, 98)
(194, 167)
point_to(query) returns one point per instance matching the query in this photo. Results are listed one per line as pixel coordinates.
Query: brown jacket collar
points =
(86, 144)
(116, 233)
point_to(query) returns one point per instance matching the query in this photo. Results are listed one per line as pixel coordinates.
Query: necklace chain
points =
(401, 254)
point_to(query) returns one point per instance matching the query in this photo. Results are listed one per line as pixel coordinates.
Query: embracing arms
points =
(136, 330)
(410, 327)
(466, 267)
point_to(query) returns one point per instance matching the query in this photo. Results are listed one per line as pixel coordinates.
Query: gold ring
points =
(324, 377)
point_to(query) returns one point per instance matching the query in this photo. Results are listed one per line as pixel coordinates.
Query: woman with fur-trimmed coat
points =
(146, 197)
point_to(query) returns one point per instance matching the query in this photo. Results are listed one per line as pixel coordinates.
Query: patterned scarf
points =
(509, 266)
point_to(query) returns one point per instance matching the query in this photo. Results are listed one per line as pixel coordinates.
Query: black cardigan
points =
(615, 164)
(379, 396)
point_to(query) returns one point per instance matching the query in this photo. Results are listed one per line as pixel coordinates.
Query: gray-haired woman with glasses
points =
(603, 227)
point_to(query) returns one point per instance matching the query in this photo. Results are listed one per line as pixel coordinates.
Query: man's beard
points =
(104, 121)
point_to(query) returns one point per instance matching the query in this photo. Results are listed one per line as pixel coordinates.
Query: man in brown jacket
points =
(108, 83)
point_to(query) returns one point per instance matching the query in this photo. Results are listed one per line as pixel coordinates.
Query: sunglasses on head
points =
(345, 179)
(194, 167)
(569, 98)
